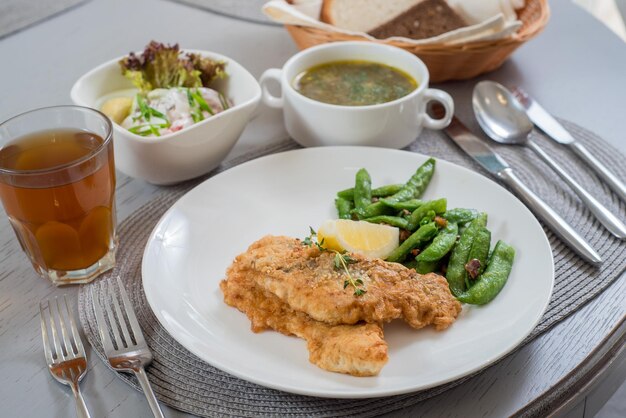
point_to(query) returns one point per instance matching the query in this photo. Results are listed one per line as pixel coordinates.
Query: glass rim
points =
(78, 161)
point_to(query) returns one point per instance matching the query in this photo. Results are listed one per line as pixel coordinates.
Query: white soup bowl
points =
(393, 124)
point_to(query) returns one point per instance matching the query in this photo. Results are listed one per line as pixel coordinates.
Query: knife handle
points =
(601, 212)
(609, 178)
(550, 217)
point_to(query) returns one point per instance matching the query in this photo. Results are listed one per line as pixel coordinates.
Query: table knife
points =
(553, 129)
(494, 164)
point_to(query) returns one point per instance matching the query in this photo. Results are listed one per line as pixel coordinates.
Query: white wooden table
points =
(575, 68)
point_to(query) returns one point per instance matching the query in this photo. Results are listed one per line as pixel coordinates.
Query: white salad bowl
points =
(181, 155)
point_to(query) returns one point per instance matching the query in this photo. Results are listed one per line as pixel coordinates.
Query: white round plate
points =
(283, 194)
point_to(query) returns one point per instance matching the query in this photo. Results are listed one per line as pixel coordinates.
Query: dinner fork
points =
(128, 351)
(64, 353)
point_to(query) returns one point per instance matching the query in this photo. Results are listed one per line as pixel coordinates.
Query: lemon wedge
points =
(361, 237)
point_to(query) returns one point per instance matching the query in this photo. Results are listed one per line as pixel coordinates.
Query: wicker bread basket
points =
(448, 62)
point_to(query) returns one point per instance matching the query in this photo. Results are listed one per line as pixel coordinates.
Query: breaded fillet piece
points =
(358, 350)
(308, 281)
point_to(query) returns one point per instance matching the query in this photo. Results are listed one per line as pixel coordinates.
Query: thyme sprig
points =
(341, 261)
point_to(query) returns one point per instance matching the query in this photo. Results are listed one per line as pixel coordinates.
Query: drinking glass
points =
(57, 186)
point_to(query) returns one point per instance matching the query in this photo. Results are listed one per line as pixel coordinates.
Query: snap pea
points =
(495, 276)
(480, 252)
(382, 191)
(410, 204)
(438, 206)
(396, 221)
(458, 257)
(411, 264)
(428, 217)
(416, 185)
(460, 215)
(424, 267)
(441, 245)
(362, 190)
(424, 234)
(375, 209)
(344, 206)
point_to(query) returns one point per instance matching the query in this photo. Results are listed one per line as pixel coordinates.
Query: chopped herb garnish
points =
(156, 113)
(147, 113)
(341, 261)
(201, 102)
(154, 130)
(143, 107)
(223, 101)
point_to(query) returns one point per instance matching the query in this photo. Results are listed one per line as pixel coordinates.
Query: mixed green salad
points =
(172, 91)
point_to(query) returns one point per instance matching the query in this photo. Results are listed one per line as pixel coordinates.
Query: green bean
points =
(460, 215)
(375, 209)
(344, 206)
(382, 191)
(409, 205)
(362, 190)
(424, 234)
(480, 252)
(428, 217)
(416, 185)
(424, 267)
(491, 282)
(389, 220)
(410, 264)
(441, 245)
(456, 266)
(438, 206)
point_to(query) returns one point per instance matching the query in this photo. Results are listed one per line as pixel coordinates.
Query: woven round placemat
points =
(185, 382)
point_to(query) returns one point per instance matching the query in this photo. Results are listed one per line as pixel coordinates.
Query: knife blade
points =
(542, 119)
(496, 165)
(554, 130)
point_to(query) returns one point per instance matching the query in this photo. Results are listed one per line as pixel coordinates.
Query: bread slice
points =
(424, 20)
(363, 15)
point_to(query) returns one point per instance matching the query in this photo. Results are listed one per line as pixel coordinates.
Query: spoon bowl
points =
(499, 113)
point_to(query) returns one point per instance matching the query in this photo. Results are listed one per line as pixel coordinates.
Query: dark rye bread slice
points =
(424, 20)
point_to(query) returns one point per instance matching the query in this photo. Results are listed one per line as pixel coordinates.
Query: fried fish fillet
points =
(358, 350)
(307, 280)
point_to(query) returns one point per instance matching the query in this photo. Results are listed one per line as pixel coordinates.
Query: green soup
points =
(354, 83)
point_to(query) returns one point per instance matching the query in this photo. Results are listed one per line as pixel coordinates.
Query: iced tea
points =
(57, 187)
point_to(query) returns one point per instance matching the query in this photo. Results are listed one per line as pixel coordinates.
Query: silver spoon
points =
(504, 119)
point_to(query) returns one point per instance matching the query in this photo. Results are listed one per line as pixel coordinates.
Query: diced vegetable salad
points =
(175, 90)
(164, 111)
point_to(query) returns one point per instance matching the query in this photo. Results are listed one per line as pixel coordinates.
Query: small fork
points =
(128, 351)
(65, 354)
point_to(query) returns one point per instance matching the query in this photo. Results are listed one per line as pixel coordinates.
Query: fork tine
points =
(55, 336)
(120, 316)
(47, 349)
(75, 335)
(107, 344)
(67, 344)
(132, 318)
(115, 325)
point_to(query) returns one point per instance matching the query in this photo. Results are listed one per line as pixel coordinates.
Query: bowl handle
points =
(446, 101)
(268, 98)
